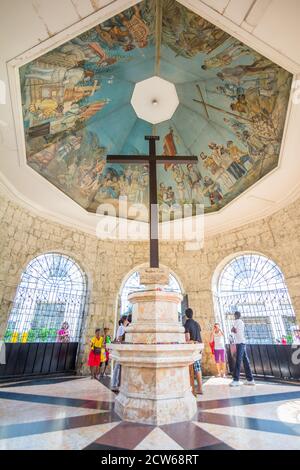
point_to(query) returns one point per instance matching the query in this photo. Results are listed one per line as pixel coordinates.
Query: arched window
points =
(52, 290)
(132, 284)
(255, 286)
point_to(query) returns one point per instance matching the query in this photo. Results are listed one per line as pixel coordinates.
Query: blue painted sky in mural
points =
(76, 109)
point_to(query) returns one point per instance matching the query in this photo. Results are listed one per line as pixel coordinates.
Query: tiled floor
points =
(78, 413)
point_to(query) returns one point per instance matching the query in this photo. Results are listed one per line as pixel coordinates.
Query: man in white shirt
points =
(241, 353)
(116, 378)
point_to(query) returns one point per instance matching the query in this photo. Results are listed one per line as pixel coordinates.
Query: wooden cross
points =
(151, 160)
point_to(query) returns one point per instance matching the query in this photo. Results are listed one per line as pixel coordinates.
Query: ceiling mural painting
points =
(231, 114)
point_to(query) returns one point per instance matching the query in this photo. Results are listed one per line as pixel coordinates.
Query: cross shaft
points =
(152, 160)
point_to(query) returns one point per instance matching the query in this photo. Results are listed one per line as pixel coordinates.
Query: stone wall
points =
(24, 235)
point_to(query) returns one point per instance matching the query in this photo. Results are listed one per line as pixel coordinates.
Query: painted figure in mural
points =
(235, 154)
(209, 163)
(244, 97)
(187, 34)
(228, 166)
(231, 90)
(195, 181)
(169, 196)
(252, 102)
(180, 179)
(161, 192)
(104, 59)
(71, 143)
(68, 55)
(63, 75)
(169, 147)
(227, 56)
(142, 187)
(43, 158)
(239, 72)
(130, 30)
(254, 144)
(217, 152)
(213, 190)
(68, 121)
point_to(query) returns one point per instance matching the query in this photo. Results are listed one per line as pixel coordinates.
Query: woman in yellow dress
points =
(96, 355)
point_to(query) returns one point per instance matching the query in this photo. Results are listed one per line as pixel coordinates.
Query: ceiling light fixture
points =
(154, 100)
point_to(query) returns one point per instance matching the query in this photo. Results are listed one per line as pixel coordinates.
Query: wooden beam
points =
(145, 159)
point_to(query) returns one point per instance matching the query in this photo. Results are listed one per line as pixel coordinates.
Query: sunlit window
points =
(133, 284)
(52, 291)
(255, 286)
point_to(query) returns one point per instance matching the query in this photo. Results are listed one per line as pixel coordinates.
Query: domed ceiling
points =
(77, 109)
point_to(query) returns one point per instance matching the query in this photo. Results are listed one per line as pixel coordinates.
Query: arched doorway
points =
(132, 283)
(52, 290)
(255, 285)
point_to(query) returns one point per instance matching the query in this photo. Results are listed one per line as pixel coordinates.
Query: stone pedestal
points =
(155, 384)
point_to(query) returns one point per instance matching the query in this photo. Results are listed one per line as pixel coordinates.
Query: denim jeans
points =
(241, 355)
(116, 378)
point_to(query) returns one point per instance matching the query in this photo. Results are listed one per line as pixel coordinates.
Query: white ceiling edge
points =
(242, 210)
(224, 23)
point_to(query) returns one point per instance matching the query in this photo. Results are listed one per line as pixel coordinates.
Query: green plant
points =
(8, 336)
(32, 334)
(52, 334)
(43, 334)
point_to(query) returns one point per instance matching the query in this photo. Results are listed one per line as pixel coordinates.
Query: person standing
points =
(241, 353)
(217, 337)
(95, 354)
(63, 335)
(120, 337)
(193, 335)
(107, 342)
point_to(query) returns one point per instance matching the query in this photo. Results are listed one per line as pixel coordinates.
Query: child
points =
(107, 341)
(217, 337)
(95, 354)
(63, 335)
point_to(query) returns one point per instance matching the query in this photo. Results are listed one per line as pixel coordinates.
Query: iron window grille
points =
(52, 290)
(254, 285)
(132, 284)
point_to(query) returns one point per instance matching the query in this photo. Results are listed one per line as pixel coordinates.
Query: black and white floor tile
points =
(78, 413)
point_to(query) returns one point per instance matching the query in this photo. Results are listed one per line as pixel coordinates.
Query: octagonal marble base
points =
(156, 412)
(155, 382)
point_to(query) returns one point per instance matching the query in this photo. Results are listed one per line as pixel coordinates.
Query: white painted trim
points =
(108, 11)
(81, 26)
(238, 32)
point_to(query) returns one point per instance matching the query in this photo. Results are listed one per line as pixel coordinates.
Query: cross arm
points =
(145, 159)
(177, 159)
(127, 159)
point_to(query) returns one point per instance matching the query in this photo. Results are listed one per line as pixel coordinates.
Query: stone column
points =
(155, 383)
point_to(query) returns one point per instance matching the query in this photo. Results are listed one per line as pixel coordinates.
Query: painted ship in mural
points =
(76, 110)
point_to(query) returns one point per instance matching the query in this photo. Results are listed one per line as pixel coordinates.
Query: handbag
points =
(212, 347)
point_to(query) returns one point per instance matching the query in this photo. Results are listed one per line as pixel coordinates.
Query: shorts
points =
(219, 355)
(197, 366)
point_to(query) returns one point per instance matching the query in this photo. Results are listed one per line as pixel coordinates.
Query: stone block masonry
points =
(24, 235)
